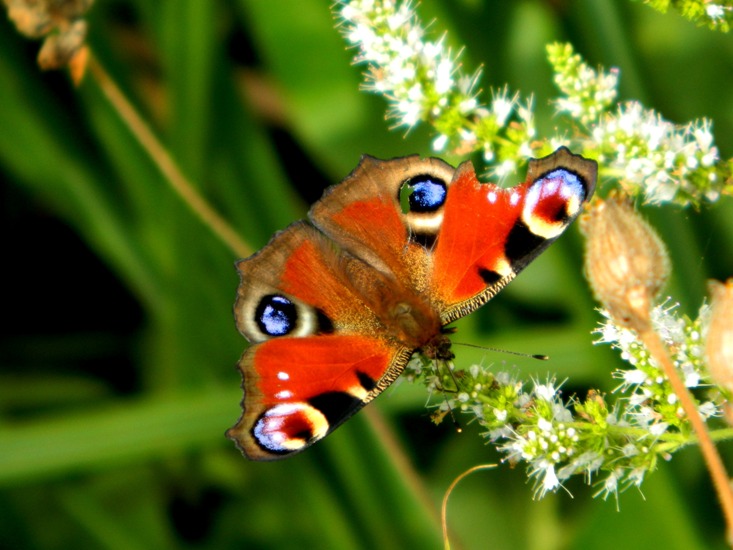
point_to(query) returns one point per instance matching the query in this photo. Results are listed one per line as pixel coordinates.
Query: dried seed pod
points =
(626, 261)
(719, 344)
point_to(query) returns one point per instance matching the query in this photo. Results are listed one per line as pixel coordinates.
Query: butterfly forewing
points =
(490, 234)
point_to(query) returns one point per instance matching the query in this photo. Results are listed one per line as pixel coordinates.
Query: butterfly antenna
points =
(453, 418)
(456, 424)
(539, 357)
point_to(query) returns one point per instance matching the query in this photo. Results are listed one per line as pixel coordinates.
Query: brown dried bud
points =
(58, 49)
(625, 261)
(719, 346)
(68, 9)
(34, 18)
(60, 22)
(31, 17)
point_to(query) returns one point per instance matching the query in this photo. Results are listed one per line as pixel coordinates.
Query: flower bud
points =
(625, 261)
(719, 346)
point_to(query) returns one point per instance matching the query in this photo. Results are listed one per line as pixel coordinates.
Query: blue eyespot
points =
(276, 315)
(565, 181)
(426, 193)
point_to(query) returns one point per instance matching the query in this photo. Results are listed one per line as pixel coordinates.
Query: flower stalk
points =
(718, 473)
(167, 165)
(627, 265)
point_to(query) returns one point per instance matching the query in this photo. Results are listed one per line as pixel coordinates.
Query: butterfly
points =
(336, 305)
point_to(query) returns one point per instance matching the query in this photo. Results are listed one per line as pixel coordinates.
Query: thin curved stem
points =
(444, 504)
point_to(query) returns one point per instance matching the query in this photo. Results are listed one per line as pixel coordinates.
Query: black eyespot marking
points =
(335, 406)
(521, 243)
(366, 381)
(490, 277)
(276, 315)
(422, 194)
(325, 325)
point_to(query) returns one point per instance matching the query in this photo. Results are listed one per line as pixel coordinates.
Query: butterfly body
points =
(336, 306)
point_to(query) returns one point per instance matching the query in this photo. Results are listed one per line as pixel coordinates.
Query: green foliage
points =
(117, 374)
(713, 15)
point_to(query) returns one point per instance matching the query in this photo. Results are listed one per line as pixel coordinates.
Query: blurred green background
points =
(118, 349)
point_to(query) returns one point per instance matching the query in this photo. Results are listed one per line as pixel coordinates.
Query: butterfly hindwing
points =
(299, 389)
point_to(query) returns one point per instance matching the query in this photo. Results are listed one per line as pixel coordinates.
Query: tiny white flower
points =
(692, 377)
(544, 425)
(658, 429)
(634, 376)
(560, 413)
(501, 414)
(545, 391)
(715, 11)
(610, 485)
(502, 107)
(440, 142)
(505, 168)
(500, 433)
(409, 112)
(708, 409)
(443, 76)
(468, 105)
(630, 450)
(636, 476)
(548, 481)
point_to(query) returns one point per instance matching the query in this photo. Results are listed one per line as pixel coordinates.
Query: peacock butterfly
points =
(335, 306)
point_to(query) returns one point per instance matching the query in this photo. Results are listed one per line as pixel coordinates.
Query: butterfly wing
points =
(319, 352)
(490, 234)
(365, 214)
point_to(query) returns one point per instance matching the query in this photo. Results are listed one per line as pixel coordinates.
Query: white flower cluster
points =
(418, 75)
(586, 92)
(557, 437)
(549, 446)
(423, 82)
(648, 155)
(656, 156)
(652, 405)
